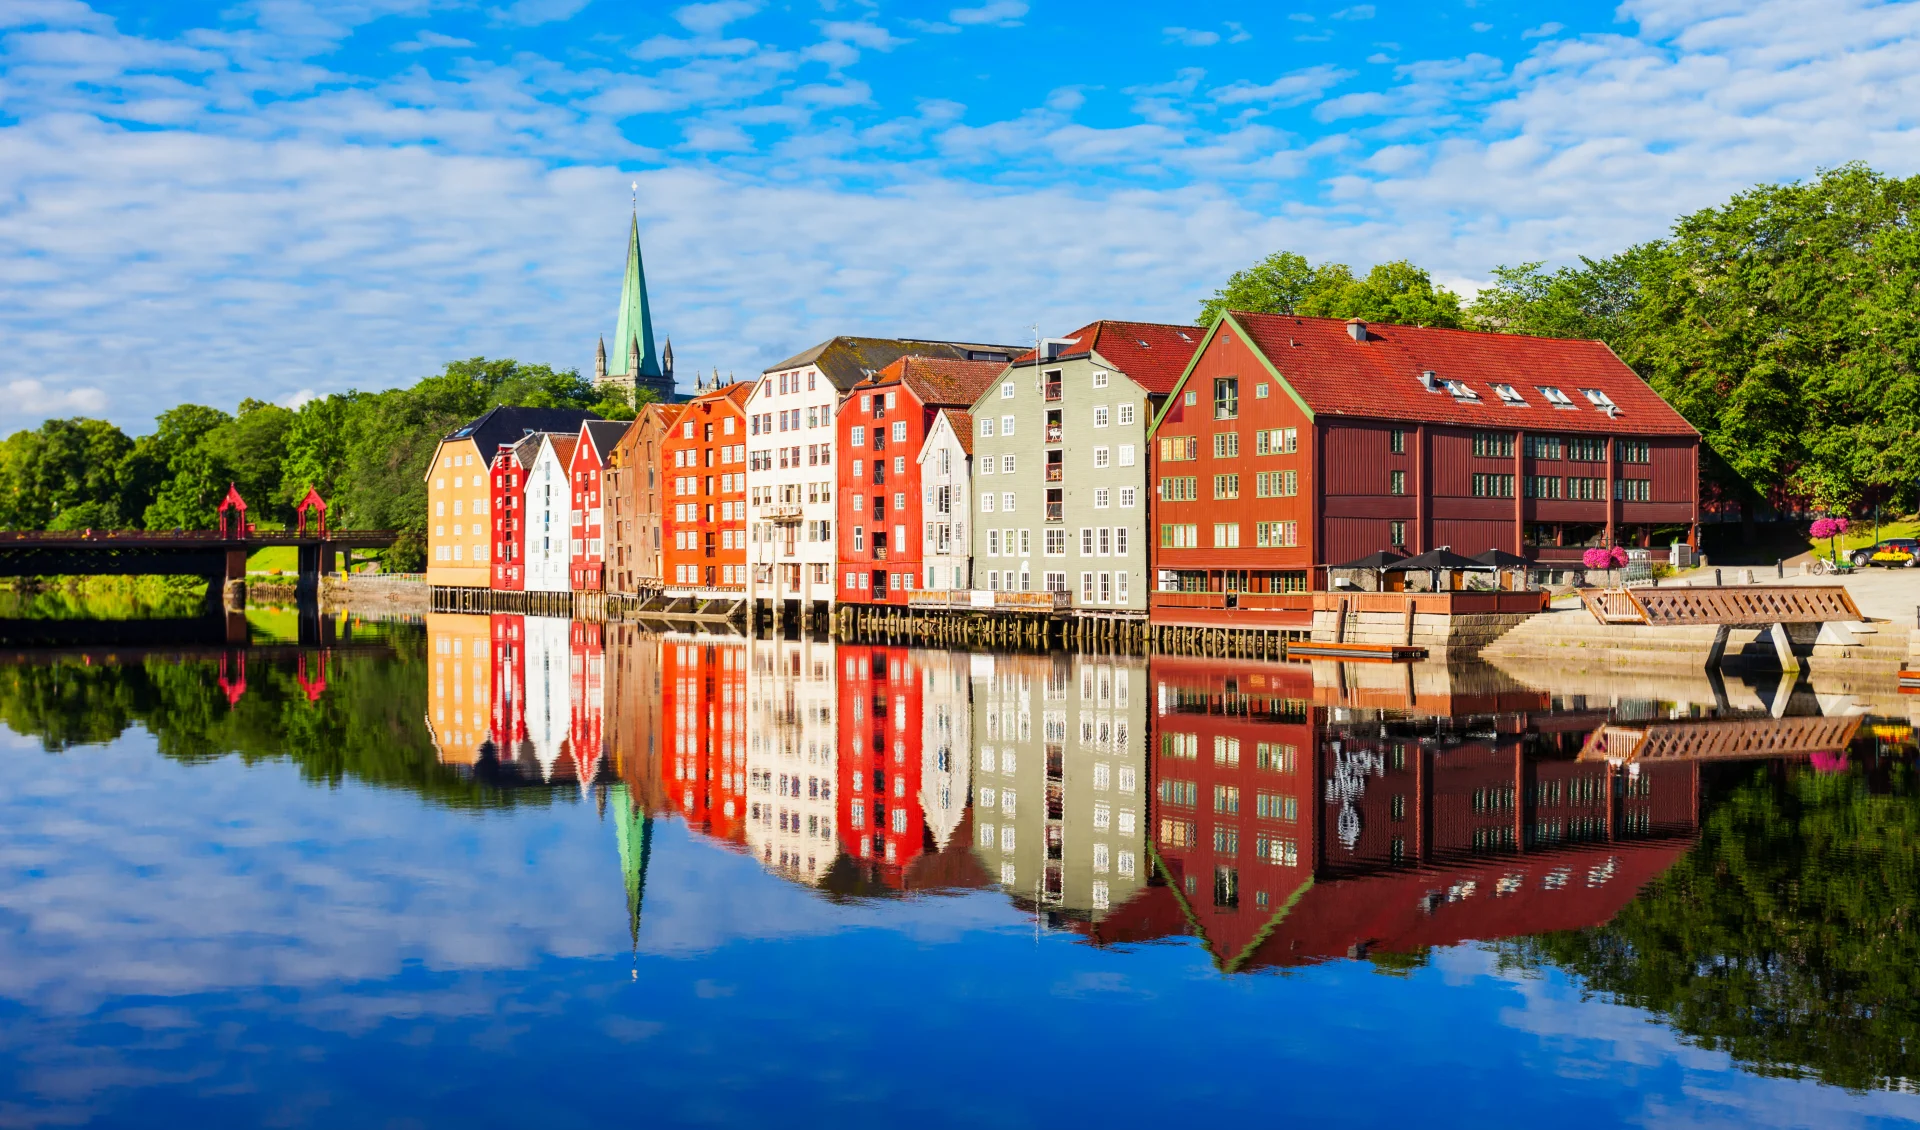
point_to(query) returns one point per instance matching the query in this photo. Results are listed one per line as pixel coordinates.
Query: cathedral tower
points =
(633, 361)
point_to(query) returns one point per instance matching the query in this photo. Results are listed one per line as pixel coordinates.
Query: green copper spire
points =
(636, 321)
(633, 829)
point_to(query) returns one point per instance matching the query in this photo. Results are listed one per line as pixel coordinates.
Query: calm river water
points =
(504, 871)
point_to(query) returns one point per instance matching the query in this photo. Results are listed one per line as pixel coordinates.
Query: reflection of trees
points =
(366, 727)
(1786, 938)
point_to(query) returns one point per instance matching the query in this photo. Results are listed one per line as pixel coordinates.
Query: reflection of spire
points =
(633, 829)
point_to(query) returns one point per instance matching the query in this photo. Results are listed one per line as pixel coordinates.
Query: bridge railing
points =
(149, 537)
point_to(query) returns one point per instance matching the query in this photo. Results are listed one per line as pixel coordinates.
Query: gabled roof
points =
(937, 381)
(508, 425)
(604, 435)
(737, 392)
(562, 446)
(1381, 376)
(848, 360)
(959, 423)
(1151, 354)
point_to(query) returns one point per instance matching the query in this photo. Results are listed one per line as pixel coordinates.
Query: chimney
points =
(1426, 379)
(1357, 329)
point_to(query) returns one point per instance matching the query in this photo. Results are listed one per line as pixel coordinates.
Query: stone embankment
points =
(375, 594)
(1572, 636)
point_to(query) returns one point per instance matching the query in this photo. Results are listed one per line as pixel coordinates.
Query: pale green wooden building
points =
(1060, 488)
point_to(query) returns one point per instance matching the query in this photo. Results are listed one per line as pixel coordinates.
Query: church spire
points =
(600, 360)
(636, 319)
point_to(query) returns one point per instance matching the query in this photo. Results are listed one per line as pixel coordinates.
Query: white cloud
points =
(1482, 26)
(1289, 89)
(299, 398)
(34, 398)
(1002, 13)
(868, 35)
(711, 18)
(1356, 12)
(1188, 37)
(1236, 33)
(531, 12)
(430, 40)
(1543, 31)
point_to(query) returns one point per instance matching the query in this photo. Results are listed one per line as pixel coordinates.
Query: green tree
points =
(1285, 283)
(65, 474)
(190, 476)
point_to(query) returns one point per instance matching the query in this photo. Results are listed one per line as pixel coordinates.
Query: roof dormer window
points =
(1555, 397)
(1510, 395)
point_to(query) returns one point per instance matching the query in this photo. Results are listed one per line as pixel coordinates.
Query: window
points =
(1586, 489)
(1006, 501)
(986, 502)
(1397, 534)
(1397, 441)
(1226, 535)
(1184, 746)
(1493, 486)
(1086, 541)
(1104, 535)
(1120, 544)
(1274, 849)
(859, 538)
(1006, 390)
(1543, 486)
(1126, 415)
(1493, 445)
(1633, 490)
(899, 431)
(1127, 496)
(1543, 447)
(859, 437)
(1100, 495)
(1586, 449)
(1190, 399)
(1086, 588)
(1274, 757)
(1056, 543)
(1226, 800)
(1597, 398)
(1175, 535)
(1006, 425)
(1226, 445)
(1555, 397)
(1179, 449)
(1006, 463)
(986, 426)
(1056, 582)
(1180, 488)
(1260, 391)
(1510, 395)
(1396, 482)
(1632, 451)
(986, 465)
(1226, 486)
(1099, 457)
(1026, 544)
(1126, 455)
(1226, 398)
(1276, 441)
(993, 543)
(1099, 415)
(1099, 378)
(1276, 535)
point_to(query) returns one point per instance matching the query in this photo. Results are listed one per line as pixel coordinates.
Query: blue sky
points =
(282, 197)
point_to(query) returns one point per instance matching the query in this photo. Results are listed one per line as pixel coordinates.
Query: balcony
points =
(1056, 511)
(983, 599)
(1052, 390)
(783, 513)
(1054, 433)
(1055, 472)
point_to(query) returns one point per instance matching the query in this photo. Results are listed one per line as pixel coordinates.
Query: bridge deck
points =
(1721, 740)
(1733, 606)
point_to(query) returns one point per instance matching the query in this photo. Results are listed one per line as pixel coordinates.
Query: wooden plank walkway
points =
(1732, 606)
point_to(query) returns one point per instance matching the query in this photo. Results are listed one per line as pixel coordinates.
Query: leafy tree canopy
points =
(1285, 283)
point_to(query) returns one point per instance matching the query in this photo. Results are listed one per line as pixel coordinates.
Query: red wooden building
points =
(882, 827)
(1296, 443)
(587, 475)
(881, 425)
(704, 462)
(507, 501)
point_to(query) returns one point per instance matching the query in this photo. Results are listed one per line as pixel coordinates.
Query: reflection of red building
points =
(881, 826)
(586, 675)
(509, 682)
(703, 688)
(1285, 836)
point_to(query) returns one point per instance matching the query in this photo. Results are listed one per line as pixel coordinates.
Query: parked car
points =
(1901, 552)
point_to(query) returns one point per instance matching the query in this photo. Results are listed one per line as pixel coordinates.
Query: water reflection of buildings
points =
(1282, 813)
(1059, 786)
(791, 757)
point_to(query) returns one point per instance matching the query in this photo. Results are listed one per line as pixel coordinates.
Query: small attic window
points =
(1260, 391)
(1598, 398)
(1510, 395)
(1143, 344)
(1460, 391)
(1555, 397)
(1184, 336)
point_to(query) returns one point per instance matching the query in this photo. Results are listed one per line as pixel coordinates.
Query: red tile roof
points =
(939, 382)
(1380, 377)
(1152, 354)
(962, 425)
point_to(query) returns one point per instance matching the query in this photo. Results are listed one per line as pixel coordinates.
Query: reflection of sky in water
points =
(225, 944)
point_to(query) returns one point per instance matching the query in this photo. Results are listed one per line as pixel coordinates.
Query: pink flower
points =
(1619, 557)
(1824, 762)
(1597, 558)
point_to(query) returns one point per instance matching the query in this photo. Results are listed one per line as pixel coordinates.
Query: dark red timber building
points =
(511, 464)
(881, 425)
(1296, 443)
(1287, 834)
(590, 530)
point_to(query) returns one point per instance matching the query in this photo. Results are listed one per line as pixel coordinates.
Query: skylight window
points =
(1598, 398)
(1460, 391)
(1555, 397)
(1510, 395)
